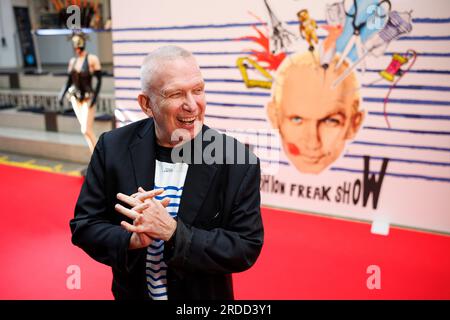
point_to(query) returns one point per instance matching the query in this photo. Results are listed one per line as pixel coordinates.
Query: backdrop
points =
(385, 159)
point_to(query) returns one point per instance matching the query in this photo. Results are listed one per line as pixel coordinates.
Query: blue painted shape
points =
(363, 15)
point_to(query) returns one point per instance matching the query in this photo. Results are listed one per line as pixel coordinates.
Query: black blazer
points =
(219, 227)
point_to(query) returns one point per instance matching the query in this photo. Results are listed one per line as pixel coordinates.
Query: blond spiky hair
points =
(308, 60)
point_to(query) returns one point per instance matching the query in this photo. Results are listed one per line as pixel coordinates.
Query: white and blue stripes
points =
(419, 107)
(170, 177)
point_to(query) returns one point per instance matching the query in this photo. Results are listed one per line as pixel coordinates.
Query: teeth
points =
(187, 119)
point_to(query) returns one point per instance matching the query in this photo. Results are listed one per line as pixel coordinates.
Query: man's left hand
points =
(149, 215)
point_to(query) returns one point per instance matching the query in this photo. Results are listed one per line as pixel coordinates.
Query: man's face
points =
(178, 103)
(315, 120)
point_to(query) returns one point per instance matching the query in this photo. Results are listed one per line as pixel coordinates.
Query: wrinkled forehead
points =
(176, 72)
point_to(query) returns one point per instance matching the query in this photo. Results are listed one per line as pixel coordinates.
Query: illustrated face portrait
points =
(314, 120)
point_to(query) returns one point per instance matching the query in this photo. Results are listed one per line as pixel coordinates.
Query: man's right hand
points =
(139, 202)
(139, 240)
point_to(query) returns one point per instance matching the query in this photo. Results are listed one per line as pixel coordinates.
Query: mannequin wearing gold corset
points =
(80, 92)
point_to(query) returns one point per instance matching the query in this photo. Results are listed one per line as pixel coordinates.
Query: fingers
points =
(129, 227)
(132, 228)
(130, 200)
(126, 212)
(140, 189)
(142, 237)
(134, 194)
(149, 194)
(141, 207)
(138, 197)
(135, 212)
(162, 203)
(138, 220)
(165, 202)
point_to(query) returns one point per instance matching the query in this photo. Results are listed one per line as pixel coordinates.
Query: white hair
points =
(154, 60)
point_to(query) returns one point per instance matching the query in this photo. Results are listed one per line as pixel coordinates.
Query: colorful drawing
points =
(397, 25)
(394, 70)
(280, 37)
(335, 14)
(261, 60)
(314, 119)
(308, 28)
(253, 83)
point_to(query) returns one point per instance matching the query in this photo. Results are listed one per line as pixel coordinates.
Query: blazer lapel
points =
(196, 186)
(142, 151)
(198, 178)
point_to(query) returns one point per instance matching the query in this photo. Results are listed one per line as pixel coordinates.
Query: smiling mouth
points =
(187, 121)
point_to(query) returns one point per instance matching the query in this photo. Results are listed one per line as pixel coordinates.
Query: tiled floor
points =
(67, 138)
(56, 166)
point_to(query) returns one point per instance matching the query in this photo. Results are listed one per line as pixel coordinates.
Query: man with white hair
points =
(181, 227)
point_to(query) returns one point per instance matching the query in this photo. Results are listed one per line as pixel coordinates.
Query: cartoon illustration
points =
(397, 25)
(308, 28)
(394, 70)
(335, 13)
(317, 110)
(243, 65)
(314, 120)
(335, 21)
(280, 37)
(261, 61)
(327, 48)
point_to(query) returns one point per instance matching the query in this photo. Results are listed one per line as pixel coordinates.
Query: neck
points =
(161, 139)
(163, 144)
(168, 143)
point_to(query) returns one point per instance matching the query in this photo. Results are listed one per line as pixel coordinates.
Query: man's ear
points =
(356, 122)
(272, 114)
(144, 102)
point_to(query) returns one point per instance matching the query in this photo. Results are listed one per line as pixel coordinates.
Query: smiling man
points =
(314, 120)
(170, 229)
(164, 93)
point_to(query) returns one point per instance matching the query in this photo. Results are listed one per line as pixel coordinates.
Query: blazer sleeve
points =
(92, 228)
(228, 249)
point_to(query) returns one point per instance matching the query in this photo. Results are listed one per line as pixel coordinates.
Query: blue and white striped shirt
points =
(170, 177)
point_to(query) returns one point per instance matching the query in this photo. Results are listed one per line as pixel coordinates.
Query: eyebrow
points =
(340, 108)
(339, 112)
(166, 91)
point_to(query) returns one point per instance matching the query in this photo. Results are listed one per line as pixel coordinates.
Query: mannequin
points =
(82, 96)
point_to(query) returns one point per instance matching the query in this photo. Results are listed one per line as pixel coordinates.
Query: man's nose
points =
(189, 103)
(311, 137)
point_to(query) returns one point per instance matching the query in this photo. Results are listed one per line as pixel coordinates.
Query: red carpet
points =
(310, 257)
(304, 256)
(35, 239)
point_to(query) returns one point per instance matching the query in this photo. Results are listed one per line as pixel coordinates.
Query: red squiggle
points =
(271, 61)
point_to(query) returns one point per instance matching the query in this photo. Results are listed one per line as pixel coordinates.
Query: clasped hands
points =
(150, 217)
